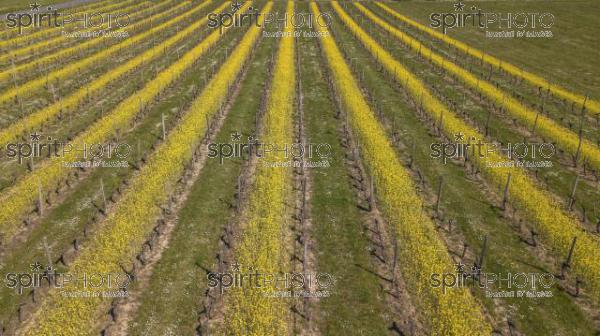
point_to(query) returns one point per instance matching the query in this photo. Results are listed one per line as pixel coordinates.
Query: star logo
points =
(36, 267)
(236, 136)
(235, 6)
(460, 267)
(459, 137)
(35, 137)
(35, 6)
(459, 6)
(235, 266)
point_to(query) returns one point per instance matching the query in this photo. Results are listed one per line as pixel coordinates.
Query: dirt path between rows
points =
(127, 308)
